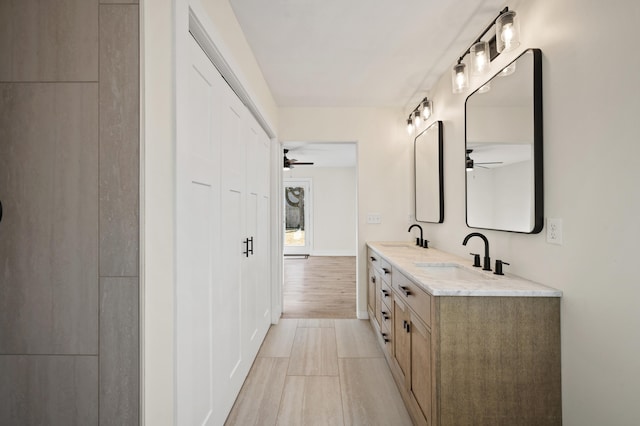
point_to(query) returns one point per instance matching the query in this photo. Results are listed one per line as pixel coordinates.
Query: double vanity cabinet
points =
(465, 346)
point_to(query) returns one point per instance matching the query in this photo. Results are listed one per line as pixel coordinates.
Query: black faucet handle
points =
(499, 264)
(425, 244)
(476, 259)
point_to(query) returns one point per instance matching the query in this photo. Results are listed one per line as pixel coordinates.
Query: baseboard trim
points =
(333, 253)
(362, 315)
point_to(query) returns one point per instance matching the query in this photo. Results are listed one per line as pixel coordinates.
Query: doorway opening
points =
(319, 230)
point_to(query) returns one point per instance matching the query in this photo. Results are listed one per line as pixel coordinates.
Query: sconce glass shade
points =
(480, 59)
(426, 109)
(409, 126)
(507, 31)
(508, 70)
(416, 118)
(485, 87)
(459, 78)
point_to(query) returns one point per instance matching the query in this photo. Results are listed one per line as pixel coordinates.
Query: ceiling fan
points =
(470, 164)
(290, 163)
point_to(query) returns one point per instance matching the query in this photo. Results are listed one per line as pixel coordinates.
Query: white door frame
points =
(308, 216)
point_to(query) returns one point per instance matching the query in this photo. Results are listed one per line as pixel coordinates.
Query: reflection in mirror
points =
(429, 187)
(504, 149)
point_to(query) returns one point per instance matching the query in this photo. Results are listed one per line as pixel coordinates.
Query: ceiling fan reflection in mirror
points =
(470, 164)
(290, 163)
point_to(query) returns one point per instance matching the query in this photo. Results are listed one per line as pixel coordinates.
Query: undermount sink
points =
(397, 245)
(450, 271)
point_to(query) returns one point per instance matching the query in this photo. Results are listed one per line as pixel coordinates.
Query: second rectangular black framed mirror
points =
(429, 181)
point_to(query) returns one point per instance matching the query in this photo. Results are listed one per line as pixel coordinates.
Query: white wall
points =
(333, 192)
(383, 171)
(591, 131)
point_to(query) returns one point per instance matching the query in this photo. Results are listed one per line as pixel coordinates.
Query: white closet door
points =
(230, 357)
(198, 156)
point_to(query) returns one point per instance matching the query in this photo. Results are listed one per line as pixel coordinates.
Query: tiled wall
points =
(69, 167)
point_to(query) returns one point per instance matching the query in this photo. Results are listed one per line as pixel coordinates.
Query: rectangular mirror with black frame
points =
(503, 129)
(429, 182)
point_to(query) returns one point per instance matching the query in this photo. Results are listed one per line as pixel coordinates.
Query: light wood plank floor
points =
(319, 372)
(320, 287)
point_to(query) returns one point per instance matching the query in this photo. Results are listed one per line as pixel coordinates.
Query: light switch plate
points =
(374, 218)
(554, 231)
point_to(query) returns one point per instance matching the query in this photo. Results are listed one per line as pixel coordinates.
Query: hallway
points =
(320, 287)
(319, 371)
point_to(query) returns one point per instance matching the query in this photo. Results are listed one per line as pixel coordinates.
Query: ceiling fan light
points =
(459, 78)
(507, 31)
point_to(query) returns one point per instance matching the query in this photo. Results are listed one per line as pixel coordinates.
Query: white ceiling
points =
(351, 53)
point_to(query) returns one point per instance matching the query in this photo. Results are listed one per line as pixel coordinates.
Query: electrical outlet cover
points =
(554, 231)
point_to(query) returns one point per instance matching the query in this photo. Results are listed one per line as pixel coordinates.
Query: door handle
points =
(246, 247)
(250, 250)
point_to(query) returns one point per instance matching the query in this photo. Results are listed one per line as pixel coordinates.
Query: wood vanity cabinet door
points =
(402, 338)
(371, 296)
(377, 296)
(421, 367)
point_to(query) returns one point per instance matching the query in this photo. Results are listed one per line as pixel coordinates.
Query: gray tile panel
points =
(119, 140)
(49, 232)
(48, 390)
(119, 351)
(48, 40)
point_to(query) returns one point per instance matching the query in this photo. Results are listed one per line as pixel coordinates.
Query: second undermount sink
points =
(450, 271)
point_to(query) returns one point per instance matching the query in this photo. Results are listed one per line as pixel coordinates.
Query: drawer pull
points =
(373, 259)
(384, 337)
(384, 292)
(404, 290)
(406, 326)
(385, 316)
(386, 271)
(373, 279)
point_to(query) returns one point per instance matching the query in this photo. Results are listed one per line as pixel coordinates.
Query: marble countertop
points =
(406, 257)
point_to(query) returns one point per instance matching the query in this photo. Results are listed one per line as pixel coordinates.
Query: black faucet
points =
(419, 241)
(487, 259)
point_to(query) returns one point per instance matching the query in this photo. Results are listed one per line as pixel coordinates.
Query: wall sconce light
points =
(459, 77)
(426, 109)
(416, 118)
(507, 31)
(480, 59)
(420, 113)
(507, 38)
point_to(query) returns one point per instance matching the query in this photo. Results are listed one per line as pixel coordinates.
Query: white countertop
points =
(404, 256)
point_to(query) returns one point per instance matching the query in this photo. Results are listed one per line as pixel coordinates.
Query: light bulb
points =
(409, 126)
(416, 118)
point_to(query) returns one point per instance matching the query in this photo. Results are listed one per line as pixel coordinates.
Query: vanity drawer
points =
(386, 315)
(414, 296)
(374, 258)
(385, 270)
